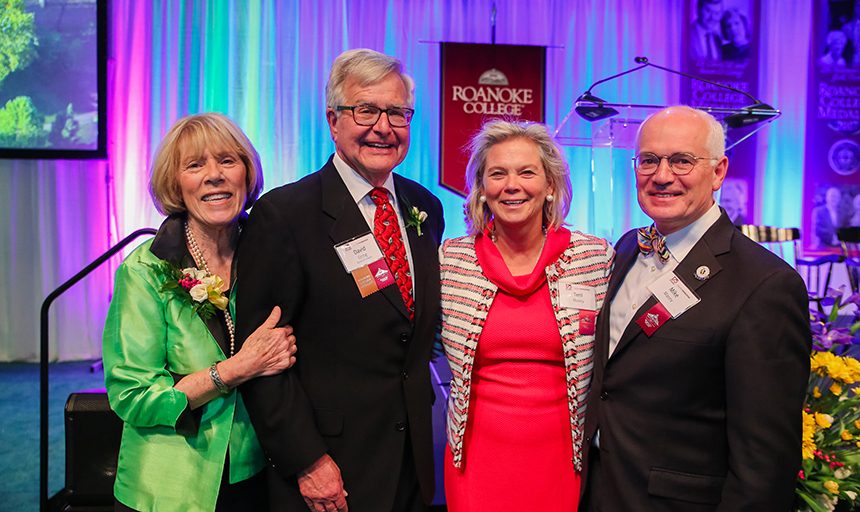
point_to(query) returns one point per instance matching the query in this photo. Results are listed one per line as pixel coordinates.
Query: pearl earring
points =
(549, 197)
(482, 199)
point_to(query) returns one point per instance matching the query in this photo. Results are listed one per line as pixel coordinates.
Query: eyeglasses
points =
(681, 164)
(368, 115)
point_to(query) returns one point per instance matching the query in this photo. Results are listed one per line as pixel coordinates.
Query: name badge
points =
(577, 296)
(653, 319)
(362, 258)
(586, 322)
(358, 252)
(673, 294)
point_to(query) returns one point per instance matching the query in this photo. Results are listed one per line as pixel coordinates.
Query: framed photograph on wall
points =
(53, 79)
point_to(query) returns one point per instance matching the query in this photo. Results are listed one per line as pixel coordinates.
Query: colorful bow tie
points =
(652, 241)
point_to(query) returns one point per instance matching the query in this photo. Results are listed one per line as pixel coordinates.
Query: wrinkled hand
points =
(269, 350)
(322, 488)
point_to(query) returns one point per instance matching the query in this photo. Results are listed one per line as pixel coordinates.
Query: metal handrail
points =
(43, 368)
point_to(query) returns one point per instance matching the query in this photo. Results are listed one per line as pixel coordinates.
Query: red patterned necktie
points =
(387, 233)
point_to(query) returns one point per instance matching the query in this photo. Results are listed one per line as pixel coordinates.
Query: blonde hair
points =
(367, 67)
(555, 166)
(194, 134)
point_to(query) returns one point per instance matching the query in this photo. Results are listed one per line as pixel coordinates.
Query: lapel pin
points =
(702, 273)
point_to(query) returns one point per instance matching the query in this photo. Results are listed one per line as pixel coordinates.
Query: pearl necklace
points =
(197, 254)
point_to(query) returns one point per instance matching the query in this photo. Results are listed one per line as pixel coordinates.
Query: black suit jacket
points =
(361, 384)
(705, 415)
(825, 230)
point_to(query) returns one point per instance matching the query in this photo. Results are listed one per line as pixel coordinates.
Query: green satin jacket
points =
(170, 459)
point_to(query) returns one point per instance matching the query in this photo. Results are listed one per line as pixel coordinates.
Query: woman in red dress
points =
(525, 290)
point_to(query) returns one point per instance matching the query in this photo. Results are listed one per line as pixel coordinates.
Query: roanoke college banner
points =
(831, 183)
(721, 40)
(480, 82)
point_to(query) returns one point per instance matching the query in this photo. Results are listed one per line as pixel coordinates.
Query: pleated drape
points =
(265, 63)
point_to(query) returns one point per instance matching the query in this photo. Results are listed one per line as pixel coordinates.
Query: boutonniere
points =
(196, 287)
(414, 216)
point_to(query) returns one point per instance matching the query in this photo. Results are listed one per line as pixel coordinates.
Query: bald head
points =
(674, 201)
(715, 139)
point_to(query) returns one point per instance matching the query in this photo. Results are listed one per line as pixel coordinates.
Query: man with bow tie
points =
(701, 354)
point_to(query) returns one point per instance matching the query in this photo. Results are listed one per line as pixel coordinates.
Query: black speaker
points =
(93, 434)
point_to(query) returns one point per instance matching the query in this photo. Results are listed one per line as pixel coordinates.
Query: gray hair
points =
(715, 143)
(836, 36)
(367, 67)
(555, 166)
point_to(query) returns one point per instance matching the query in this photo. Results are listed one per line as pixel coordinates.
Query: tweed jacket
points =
(467, 295)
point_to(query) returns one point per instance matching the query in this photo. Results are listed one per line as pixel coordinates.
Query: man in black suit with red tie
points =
(349, 253)
(701, 354)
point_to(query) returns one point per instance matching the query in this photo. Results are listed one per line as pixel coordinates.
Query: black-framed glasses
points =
(681, 164)
(368, 115)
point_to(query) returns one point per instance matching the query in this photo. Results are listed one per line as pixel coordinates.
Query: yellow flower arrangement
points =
(831, 429)
(808, 433)
(830, 470)
(831, 422)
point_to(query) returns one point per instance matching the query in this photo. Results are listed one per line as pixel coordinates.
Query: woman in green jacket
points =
(170, 354)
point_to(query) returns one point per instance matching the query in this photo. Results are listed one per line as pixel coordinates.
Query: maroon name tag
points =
(653, 319)
(586, 322)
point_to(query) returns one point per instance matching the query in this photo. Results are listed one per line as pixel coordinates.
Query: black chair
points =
(776, 240)
(816, 272)
(849, 239)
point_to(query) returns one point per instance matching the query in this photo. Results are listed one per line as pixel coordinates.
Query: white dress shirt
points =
(359, 188)
(634, 292)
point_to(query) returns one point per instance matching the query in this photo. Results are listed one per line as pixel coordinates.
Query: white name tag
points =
(358, 252)
(673, 294)
(577, 296)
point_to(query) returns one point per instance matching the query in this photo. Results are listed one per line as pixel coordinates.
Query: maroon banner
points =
(721, 45)
(831, 184)
(482, 81)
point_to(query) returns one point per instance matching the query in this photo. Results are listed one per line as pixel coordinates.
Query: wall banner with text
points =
(480, 82)
(831, 182)
(721, 42)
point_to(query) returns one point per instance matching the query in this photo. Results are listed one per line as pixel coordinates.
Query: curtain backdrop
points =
(265, 63)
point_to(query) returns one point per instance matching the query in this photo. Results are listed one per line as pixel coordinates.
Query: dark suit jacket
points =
(703, 44)
(705, 415)
(825, 230)
(361, 384)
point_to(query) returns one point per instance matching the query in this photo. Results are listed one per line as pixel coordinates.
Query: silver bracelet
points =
(216, 379)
